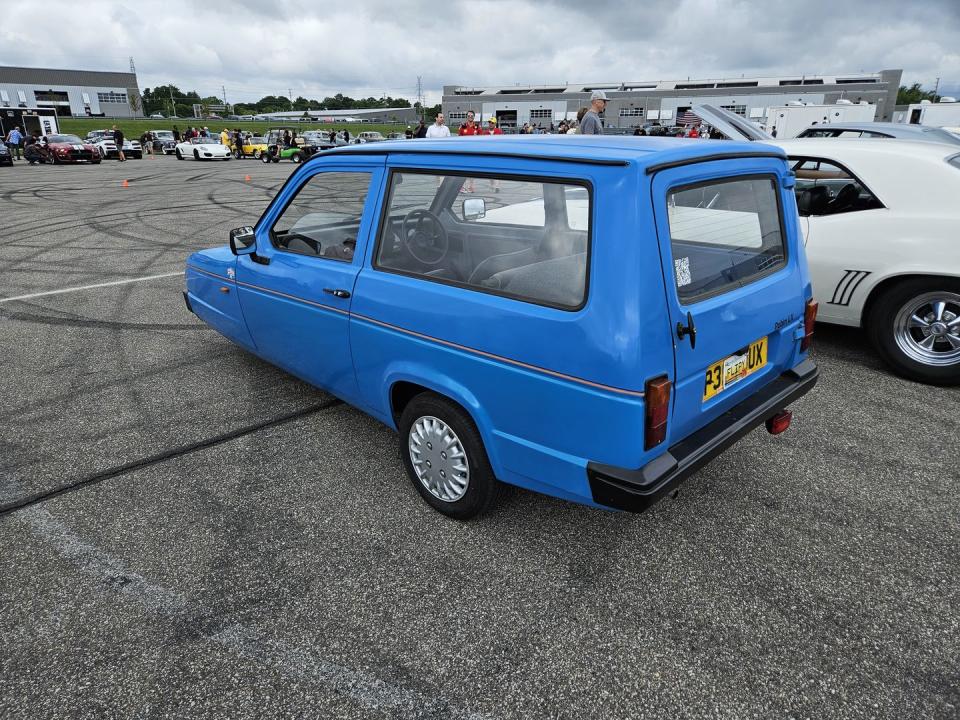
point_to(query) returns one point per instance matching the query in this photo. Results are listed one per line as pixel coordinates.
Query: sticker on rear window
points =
(682, 267)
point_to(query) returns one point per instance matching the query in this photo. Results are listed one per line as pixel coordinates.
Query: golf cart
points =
(298, 150)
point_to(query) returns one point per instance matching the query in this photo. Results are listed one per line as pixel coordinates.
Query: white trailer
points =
(790, 120)
(945, 113)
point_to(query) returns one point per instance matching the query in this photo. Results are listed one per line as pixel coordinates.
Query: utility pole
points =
(936, 86)
(173, 106)
(420, 94)
(223, 89)
(290, 97)
(133, 68)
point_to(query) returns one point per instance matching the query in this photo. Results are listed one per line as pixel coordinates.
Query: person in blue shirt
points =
(14, 142)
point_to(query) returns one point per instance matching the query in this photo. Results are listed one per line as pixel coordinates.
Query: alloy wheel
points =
(927, 328)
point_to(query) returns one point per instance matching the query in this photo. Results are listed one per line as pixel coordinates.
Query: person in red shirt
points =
(470, 127)
(492, 128)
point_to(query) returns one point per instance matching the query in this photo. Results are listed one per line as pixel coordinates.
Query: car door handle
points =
(337, 292)
(688, 330)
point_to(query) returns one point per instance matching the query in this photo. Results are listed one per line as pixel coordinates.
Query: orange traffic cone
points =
(246, 178)
(125, 184)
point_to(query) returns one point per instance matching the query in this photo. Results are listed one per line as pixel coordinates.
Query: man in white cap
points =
(591, 125)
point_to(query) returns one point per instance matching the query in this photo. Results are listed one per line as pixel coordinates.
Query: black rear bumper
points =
(636, 490)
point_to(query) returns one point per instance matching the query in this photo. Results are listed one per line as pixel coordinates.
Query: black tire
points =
(179, 154)
(265, 157)
(483, 489)
(276, 159)
(297, 157)
(196, 154)
(882, 322)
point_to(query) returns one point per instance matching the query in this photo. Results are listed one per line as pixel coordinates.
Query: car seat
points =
(813, 200)
(845, 199)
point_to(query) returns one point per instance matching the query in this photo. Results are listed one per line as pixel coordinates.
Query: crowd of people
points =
(588, 122)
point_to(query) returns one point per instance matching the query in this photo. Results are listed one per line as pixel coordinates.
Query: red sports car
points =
(70, 149)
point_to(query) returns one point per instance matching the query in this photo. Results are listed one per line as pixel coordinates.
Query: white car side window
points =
(827, 188)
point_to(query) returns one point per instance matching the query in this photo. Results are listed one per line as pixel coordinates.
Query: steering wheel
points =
(424, 237)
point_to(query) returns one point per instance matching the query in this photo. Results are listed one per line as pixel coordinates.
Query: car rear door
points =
(735, 280)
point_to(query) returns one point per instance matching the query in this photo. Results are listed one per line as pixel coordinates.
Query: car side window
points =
(827, 188)
(526, 239)
(323, 218)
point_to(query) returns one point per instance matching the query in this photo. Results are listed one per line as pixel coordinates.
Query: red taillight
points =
(779, 422)
(657, 398)
(809, 318)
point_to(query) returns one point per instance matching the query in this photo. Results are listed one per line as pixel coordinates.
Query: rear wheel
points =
(444, 457)
(256, 154)
(915, 326)
(297, 157)
(265, 157)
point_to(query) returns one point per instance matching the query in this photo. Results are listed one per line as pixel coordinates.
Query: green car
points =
(297, 151)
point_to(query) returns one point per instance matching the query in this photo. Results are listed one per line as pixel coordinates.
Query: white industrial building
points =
(71, 92)
(635, 103)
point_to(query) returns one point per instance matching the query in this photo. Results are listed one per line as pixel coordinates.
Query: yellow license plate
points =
(731, 370)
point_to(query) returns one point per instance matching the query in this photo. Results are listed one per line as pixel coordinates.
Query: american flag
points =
(688, 117)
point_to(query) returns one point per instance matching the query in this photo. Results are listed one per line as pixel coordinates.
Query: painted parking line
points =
(89, 287)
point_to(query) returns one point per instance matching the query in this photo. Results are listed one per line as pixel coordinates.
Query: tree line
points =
(914, 94)
(164, 97)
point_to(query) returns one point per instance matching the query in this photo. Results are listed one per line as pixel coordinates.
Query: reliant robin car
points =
(595, 321)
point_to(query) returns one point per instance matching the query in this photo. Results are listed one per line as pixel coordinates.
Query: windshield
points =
(163, 134)
(72, 139)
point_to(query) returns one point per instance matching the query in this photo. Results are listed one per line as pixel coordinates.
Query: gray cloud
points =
(259, 47)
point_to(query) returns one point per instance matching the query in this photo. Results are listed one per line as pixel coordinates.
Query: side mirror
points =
(474, 209)
(243, 241)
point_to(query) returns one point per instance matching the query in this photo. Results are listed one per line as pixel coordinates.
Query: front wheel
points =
(444, 457)
(179, 154)
(297, 157)
(265, 158)
(276, 159)
(915, 326)
(256, 154)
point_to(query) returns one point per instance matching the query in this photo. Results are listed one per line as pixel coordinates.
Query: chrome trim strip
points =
(501, 358)
(429, 338)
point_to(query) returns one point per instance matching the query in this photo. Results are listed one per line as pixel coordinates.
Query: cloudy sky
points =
(371, 47)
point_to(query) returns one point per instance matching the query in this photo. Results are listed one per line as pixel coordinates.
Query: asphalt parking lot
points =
(188, 532)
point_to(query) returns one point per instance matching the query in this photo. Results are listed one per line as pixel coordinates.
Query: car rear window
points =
(724, 234)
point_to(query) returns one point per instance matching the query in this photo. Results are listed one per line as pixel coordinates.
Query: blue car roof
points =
(646, 152)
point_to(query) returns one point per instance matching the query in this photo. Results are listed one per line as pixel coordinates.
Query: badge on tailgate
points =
(734, 368)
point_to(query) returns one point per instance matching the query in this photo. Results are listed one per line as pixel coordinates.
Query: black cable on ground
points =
(7, 508)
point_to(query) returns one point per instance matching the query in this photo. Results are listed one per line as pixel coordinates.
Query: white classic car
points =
(107, 147)
(880, 219)
(203, 149)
